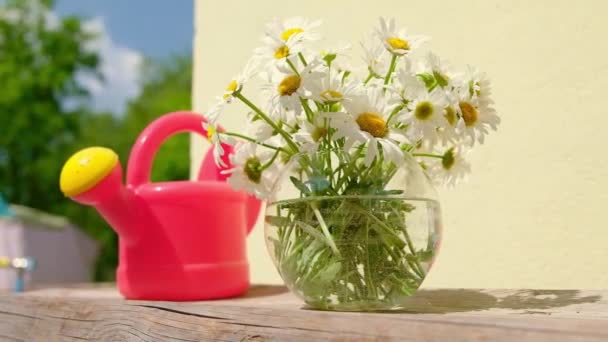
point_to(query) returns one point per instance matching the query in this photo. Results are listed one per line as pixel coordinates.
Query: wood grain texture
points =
(270, 313)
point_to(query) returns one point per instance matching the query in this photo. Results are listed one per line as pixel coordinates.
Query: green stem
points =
(416, 267)
(328, 151)
(414, 275)
(389, 174)
(369, 78)
(352, 164)
(368, 270)
(430, 155)
(302, 59)
(293, 67)
(244, 137)
(325, 230)
(287, 237)
(410, 246)
(265, 117)
(309, 113)
(274, 157)
(313, 232)
(395, 111)
(391, 69)
(288, 125)
(379, 222)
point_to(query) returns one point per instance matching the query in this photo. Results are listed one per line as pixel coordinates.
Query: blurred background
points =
(74, 74)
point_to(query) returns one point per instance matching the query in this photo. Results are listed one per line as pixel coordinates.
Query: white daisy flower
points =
(285, 90)
(366, 122)
(311, 133)
(375, 57)
(236, 85)
(260, 130)
(249, 174)
(215, 111)
(478, 116)
(297, 28)
(448, 170)
(441, 72)
(449, 133)
(277, 141)
(213, 136)
(478, 84)
(333, 57)
(450, 130)
(397, 41)
(275, 51)
(329, 87)
(405, 87)
(425, 113)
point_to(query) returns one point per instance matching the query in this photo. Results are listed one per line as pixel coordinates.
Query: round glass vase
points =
(346, 236)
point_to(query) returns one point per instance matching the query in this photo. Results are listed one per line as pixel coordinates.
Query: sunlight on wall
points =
(531, 214)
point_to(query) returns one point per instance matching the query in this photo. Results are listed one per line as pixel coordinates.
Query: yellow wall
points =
(534, 211)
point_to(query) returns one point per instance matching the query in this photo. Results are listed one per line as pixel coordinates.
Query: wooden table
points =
(97, 313)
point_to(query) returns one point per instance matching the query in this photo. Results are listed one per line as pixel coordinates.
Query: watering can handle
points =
(148, 142)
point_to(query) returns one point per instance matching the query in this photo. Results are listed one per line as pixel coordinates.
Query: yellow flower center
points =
(231, 88)
(210, 132)
(290, 32)
(469, 113)
(373, 124)
(398, 44)
(289, 85)
(424, 110)
(253, 170)
(450, 115)
(448, 159)
(330, 95)
(281, 52)
(319, 133)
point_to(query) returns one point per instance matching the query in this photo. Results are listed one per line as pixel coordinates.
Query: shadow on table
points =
(441, 301)
(265, 290)
(465, 300)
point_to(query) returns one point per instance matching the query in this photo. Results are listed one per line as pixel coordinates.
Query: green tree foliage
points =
(39, 59)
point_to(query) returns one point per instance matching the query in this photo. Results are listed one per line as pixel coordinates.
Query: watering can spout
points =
(93, 176)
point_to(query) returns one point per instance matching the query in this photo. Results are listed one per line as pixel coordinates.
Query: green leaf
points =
(425, 255)
(329, 273)
(277, 220)
(441, 79)
(328, 58)
(390, 192)
(318, 184)
(301, 186)
(428, 79)
(345, 75)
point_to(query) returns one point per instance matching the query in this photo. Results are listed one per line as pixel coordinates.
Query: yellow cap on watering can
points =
(85, 169)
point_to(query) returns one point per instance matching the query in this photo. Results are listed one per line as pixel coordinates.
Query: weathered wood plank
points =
(271, 313)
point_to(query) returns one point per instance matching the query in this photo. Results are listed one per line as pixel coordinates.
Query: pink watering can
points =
(181, 240)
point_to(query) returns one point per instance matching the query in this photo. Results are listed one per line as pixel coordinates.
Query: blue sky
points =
(129, 31)
(156, 28)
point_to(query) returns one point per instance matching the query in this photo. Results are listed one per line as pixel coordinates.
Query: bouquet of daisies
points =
(341, 130)
(401, 100)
